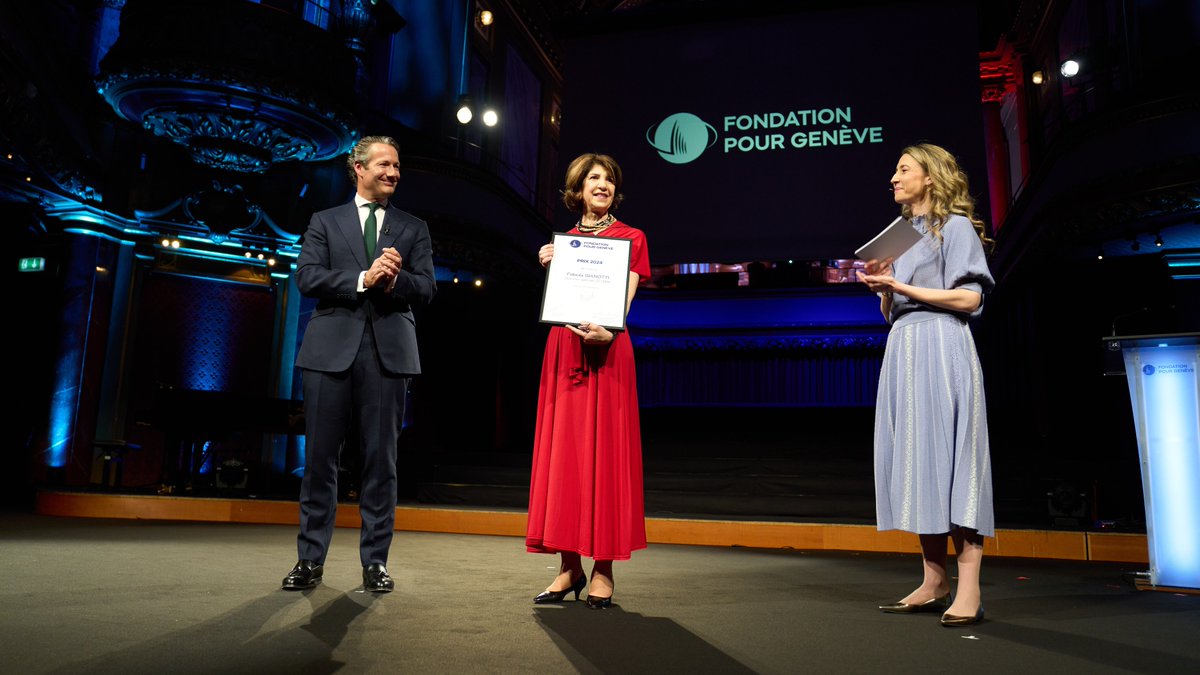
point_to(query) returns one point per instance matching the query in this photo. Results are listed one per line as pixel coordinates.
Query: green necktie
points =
(369, 231)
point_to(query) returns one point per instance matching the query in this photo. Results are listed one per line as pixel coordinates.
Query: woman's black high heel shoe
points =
(595, 602)
(558, 596)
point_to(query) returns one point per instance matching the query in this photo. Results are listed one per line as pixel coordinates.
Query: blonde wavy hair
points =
(948, 192)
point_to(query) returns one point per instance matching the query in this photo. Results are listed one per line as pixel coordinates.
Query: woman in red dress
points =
(585, 494)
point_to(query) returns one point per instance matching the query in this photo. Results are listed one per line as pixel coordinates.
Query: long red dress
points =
(585, 492)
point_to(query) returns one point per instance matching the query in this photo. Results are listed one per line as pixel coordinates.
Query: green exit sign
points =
(32, 264)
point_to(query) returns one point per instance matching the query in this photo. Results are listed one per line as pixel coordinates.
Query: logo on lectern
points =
(1148, 369)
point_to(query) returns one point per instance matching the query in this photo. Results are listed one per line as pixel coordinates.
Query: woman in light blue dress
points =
(932, 466)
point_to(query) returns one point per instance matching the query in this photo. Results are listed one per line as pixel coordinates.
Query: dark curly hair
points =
(572, 192)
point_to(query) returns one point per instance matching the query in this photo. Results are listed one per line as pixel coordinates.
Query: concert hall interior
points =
(160, 161)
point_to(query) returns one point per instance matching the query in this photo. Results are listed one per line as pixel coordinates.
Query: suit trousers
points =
(374, 401)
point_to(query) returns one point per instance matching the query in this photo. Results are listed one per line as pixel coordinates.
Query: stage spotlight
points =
(166, 242)
(456, 280)
(1069, 68)
(174, 243)
(1158, 240)
(1038, 77)
(486, 17)
(271, 262)
(9, 155)
(478, 283)
(464, 114)
(262, 257)
(490, 118)
(1100, 254)
(249, 254)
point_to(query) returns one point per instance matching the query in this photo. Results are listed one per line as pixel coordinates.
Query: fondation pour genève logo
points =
(681, 138)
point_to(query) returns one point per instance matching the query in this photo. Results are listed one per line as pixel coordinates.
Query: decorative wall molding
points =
(240, 85)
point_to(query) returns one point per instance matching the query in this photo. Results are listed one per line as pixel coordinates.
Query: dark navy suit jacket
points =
(331, 258)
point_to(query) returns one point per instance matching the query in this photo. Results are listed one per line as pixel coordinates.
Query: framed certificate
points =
(588, 280)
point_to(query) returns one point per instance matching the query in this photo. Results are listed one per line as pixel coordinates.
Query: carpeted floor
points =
(82, 595)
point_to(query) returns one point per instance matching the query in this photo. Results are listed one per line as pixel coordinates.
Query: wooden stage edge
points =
(1061, 545)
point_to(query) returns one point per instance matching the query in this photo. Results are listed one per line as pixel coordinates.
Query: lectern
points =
(1163, 372)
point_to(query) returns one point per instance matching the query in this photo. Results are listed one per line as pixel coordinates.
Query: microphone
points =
(387, 230)
(1140, 310)
(1126, 315)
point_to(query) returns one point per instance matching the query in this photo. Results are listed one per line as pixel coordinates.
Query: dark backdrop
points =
(853, 85)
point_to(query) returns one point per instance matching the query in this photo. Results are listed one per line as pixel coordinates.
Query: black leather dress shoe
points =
(305, 574)
(376, 579)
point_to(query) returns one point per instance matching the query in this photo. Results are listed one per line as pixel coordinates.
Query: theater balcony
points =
(1092, 130)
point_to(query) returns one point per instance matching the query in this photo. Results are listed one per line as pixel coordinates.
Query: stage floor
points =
(99, 595)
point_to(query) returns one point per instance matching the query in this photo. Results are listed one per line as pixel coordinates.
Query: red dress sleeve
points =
(639, 256)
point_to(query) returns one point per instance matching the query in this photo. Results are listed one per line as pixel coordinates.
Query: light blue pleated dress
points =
(932, 463)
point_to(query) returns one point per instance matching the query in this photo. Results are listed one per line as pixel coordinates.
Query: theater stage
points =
(125, 595)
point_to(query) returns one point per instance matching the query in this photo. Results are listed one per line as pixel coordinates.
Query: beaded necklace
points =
(595, 227)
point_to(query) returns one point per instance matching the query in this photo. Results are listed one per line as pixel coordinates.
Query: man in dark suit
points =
(368, 264)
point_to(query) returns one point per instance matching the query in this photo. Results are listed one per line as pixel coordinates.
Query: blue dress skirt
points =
(932, 465)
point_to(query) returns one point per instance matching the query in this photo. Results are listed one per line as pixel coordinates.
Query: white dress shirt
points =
(360, 203)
